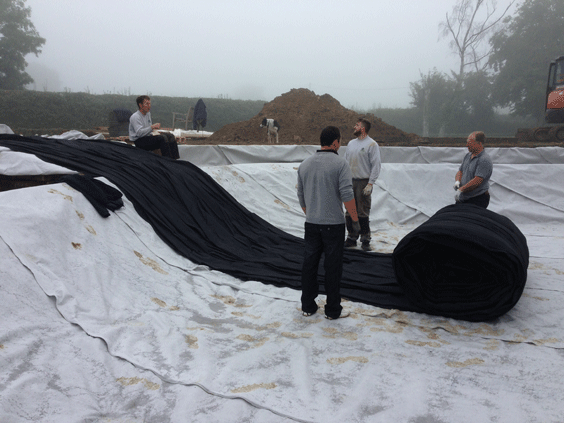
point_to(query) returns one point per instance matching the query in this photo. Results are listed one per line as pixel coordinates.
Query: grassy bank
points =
(35, 111)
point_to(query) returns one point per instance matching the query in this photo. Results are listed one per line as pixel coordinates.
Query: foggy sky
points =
(364, 53)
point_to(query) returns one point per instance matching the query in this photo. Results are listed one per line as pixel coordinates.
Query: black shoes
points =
(349, 243)
(365, 245)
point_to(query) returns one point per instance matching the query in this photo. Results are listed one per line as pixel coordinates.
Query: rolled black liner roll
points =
(465, 262)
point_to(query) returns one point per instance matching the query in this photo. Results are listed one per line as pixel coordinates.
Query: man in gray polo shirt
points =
(324, 185)
(472, 179)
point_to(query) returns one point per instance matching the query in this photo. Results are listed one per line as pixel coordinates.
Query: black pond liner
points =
(465, 262)
(201, 221)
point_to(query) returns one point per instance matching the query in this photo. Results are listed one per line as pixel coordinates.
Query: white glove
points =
(456, 185)
(367, 190)
(457, 195)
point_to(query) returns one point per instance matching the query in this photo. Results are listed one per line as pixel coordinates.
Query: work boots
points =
(350, 242)
(365, 233)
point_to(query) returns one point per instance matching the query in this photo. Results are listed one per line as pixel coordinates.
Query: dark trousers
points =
(166, 142)
(363, 204)
(327, 240)
(482, 200)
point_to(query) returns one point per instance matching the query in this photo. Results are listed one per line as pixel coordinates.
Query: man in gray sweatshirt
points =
(363, 156)
(141, 129)
(324, 185)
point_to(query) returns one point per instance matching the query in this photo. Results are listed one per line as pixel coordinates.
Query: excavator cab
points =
(554, 111)
(555, 92)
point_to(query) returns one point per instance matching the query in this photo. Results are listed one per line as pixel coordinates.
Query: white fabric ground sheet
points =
(101, 321)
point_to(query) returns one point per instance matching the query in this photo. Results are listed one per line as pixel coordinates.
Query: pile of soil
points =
(302, 115)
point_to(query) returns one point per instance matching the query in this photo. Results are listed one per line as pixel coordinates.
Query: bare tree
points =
(468, 32)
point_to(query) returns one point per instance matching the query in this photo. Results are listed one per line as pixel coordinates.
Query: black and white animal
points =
(272, 128)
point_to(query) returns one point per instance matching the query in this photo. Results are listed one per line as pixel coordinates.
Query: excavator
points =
(554, 113)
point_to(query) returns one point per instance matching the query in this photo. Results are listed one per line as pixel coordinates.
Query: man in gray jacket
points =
(324, 185)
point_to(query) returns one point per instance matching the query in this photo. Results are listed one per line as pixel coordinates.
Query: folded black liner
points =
(102, 196)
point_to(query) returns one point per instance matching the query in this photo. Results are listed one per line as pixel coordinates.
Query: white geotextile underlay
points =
(101, 321)
(13, 163)
(181, 133)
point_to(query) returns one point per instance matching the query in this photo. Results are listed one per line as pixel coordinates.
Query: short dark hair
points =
(365, 124)
(328, 135)
(480, 137)
(141, 99)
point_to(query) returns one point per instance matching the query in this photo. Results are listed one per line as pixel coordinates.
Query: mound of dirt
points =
(302, 115)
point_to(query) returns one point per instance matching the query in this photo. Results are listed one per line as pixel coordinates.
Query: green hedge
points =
(24, 110)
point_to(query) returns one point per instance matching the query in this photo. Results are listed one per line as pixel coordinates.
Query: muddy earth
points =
(302, 115)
